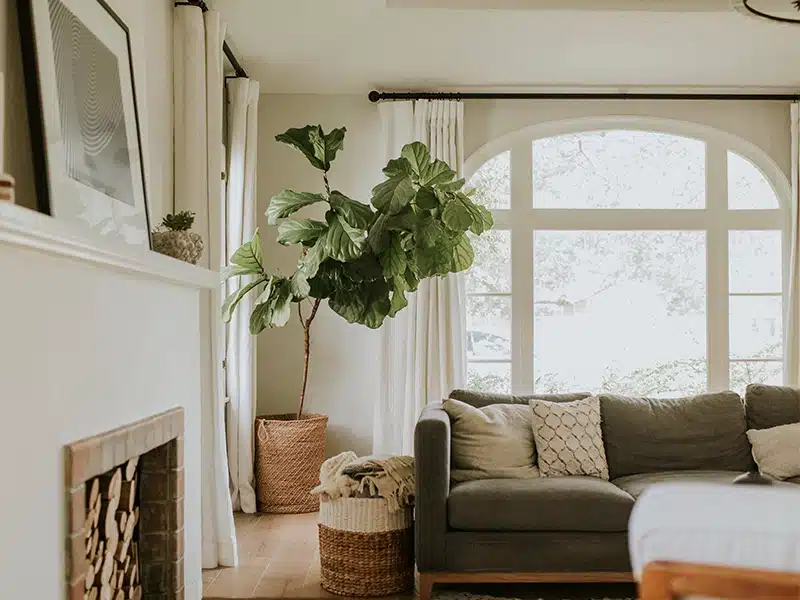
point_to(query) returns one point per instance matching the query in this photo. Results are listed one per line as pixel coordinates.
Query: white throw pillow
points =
(568, 438)
(777, 450)
(492, 442)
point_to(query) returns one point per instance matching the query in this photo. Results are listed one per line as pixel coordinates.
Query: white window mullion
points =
(521, 269)
(717, 300)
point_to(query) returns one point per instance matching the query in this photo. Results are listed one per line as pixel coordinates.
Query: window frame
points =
(715, 219)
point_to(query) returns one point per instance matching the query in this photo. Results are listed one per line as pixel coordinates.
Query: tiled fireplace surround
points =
(158, 441)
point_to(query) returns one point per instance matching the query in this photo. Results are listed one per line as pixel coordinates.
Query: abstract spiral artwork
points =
(81, 95)
(90, 103)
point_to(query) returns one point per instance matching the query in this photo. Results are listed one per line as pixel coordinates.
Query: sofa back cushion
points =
(769, 406)
(481, 399)
(648, 435)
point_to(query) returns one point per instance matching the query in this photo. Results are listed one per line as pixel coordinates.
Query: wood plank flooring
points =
(278, 558)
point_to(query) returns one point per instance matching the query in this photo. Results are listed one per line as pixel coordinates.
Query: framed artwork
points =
(81, 99)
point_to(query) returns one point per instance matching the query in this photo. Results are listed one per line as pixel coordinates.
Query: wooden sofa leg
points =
(426, 586)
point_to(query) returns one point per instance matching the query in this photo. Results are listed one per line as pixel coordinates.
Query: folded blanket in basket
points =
(346, 475)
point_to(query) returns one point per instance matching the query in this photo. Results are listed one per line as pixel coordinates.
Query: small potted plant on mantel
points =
(362, 260)
(174, 239)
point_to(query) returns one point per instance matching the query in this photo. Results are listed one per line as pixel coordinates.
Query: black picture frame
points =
(35, 103)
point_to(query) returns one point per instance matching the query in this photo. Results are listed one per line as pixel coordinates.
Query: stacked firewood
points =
(112, 553)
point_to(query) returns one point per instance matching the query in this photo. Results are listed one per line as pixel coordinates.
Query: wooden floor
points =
(278, 558)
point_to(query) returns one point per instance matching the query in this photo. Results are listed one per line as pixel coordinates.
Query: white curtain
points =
(424, 346)
(241, 222)
(791, 367)
(198, 82)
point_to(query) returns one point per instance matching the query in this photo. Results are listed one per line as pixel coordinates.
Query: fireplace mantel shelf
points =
(25, 228)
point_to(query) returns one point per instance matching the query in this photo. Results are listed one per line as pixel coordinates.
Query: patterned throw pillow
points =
(568, 438)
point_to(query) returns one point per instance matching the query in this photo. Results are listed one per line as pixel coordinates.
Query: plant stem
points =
(306, 349)
(327, 185)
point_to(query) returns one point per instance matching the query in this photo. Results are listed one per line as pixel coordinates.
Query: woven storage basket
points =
(289, 454)
(364, 549)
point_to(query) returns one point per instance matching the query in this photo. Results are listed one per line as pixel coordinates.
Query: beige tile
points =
(235, 583)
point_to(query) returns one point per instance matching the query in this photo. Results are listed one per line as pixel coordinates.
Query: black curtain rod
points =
(376, 96)
(237, 67)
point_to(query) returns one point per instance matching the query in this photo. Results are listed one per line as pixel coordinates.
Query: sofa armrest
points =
(432, 460)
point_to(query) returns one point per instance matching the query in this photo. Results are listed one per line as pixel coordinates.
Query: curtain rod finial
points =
(374, 96)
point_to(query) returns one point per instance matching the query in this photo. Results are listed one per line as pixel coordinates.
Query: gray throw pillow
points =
(493, 442)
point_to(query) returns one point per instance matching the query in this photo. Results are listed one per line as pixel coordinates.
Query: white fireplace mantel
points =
(92, 337)
(29, 229)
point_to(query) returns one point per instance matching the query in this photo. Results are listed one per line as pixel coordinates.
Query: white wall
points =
(345, 370)
(84, 349)
(150, 24)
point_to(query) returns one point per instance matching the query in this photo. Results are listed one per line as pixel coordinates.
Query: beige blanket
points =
(346, 476)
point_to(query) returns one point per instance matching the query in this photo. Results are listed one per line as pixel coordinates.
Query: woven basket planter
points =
(289, 453)
(364, 549)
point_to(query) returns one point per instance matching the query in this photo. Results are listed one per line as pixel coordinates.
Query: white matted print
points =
(89, 168)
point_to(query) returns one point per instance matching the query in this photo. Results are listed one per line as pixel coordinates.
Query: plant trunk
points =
(306, 356)
(306, 323)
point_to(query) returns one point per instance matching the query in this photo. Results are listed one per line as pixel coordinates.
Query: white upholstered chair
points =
(720, 541)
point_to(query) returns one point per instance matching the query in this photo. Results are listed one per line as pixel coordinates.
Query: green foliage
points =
(181, 221)
(363, 258)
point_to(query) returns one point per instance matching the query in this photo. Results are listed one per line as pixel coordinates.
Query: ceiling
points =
(352, 46)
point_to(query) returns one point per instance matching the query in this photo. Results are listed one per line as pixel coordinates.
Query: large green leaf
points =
(365, 268)
(393, 259)
(397, 166)
(282, 308)
(483, 220)
(435, 260)
(260, 317)
(288, 202)
(310, 263)
(342, 241)
(378, 237)
(300, 231)
(248, 257)
(357, 214)
(436, 173)
(418, 156)
(234, 298)
(405, 220)
(411, 279)
(334, 141)
(348, 306)
(308, 141)
(399, 301)
(234, 271)
(463, 254)
(457, 215)
(452, 186)
(426, 198)
(393, 195)
(429, 231)
(299, 285)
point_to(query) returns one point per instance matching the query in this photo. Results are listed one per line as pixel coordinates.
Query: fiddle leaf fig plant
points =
(362, 259)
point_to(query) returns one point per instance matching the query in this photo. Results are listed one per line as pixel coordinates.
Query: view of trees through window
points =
(622, 306)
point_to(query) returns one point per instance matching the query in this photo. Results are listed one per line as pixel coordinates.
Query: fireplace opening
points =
(125, 512)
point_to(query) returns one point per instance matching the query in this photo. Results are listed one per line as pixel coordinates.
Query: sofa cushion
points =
(541, 504)
(636, 484)
(649, 435)
(777, 450)
(769, 406)
(495, 441)
(568, 438)
(481, 399)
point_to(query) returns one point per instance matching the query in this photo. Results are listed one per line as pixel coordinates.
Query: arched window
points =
(629, 256)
